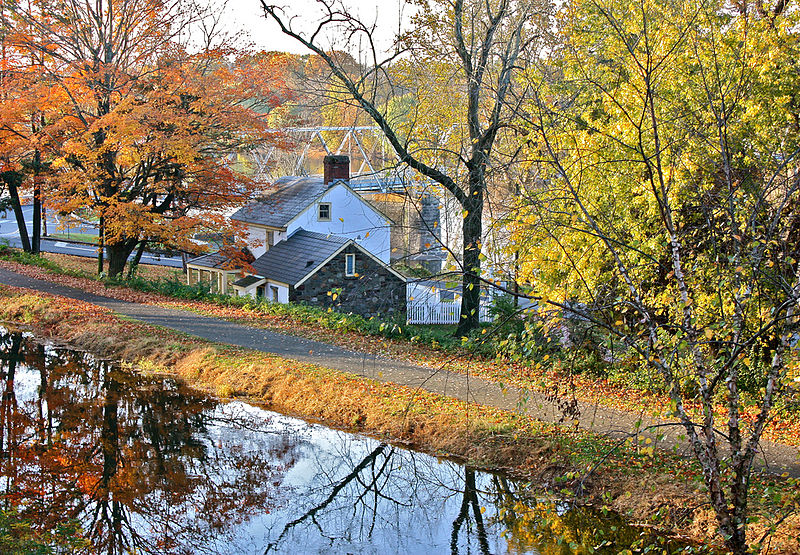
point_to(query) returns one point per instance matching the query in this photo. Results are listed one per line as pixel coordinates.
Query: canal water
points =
(98, 458)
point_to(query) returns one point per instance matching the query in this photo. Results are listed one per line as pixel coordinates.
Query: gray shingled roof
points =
(278, 208)
(291, 260)
(213, 260)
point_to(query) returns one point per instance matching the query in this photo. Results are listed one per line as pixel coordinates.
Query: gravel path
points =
(775, 457)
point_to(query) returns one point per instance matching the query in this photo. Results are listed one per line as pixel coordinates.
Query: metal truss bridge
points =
(374, 165)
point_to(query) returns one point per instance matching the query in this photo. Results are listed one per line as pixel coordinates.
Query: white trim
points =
(347, 257)
(263, 226)
(258, 225)
(330, 211)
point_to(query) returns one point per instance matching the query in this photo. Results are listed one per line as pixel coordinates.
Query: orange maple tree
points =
(152, 117)
(26, 98)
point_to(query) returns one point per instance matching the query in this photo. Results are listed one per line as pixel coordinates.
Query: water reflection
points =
(144, 464)
(130, 457)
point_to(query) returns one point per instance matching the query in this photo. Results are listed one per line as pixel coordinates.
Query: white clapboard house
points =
(314, 240)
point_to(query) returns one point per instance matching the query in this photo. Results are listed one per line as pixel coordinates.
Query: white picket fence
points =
(442, 313)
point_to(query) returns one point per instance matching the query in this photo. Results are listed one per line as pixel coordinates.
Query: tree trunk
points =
(37, 122)
(109, 435)
(136, 259)
(13, 179)
(101, 245)
(36, 240)
(118, 254)
(472, 231)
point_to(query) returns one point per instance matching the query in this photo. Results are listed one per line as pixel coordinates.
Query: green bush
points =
(19, 537)
(173, 287)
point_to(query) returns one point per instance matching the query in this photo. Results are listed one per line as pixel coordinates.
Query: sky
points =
(247, 16)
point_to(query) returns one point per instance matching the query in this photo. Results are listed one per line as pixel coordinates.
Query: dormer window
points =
(324, 211)
(349, 265)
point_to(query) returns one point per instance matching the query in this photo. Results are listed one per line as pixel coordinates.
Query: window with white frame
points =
(324, 211)
(350, 265)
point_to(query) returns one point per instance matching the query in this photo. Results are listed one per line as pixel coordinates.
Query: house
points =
(314, 240)
(323, 204)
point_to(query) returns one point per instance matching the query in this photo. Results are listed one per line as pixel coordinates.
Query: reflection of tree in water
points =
(395, 501)
(381, 498)
(469, 502)
(127, 455)
(148, 466)
(557, 528)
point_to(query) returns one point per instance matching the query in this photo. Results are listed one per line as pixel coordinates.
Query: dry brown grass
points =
(425, 420)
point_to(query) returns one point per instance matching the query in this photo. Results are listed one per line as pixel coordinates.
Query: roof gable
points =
(366, 252)
(293, 196)
(298, 256)
(301, 255)
(346, 186)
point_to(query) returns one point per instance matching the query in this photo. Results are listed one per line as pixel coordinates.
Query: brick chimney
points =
(336, 167)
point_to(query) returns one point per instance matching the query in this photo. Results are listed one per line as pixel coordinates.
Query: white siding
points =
(246, 291)
(257, 240)
(283, 291)
(351, 217)
(260, 235)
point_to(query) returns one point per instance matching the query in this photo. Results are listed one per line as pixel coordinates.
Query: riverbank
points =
(541, 376)
(655, 490)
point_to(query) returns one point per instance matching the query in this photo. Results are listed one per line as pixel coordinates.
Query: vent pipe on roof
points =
(336, 167)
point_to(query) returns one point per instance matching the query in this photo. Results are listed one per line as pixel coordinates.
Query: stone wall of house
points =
(375, 291)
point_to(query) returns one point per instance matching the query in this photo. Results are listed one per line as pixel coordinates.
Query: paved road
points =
(9, 232)
(777, 458)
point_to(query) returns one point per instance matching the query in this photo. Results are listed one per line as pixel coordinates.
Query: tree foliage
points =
(148, 122)
(665, 210)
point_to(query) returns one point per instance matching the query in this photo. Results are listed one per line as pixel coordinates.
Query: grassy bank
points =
(658, 489)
